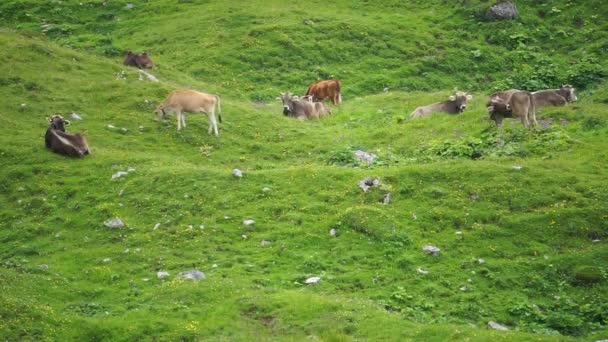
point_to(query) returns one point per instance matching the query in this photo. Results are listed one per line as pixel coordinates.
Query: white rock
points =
(266, 189)
(162, 274)
(114, 223)
(214, 266)
(597, 240)
(75, 116)
(496, 326)
(119, 174)
(107, 260)
(517, 167)
(192, 275)
(121, 192)
(368, 182)
(43, 266)
(129, 6)
(157, 225)
(149, 76)
(365, 156)
(481, 261)
(463, 288)
(431, 250)
(420, 270)
(387, 198)
(146, 279)
(23, 105)
(131, 169)
(244, 236)
(237, 173)
(126, 251)
(332, 232)
(312, 280)
(265, 243)
(248, 222)
(202, 226)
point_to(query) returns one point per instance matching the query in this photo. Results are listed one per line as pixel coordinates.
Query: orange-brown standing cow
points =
(321, 90)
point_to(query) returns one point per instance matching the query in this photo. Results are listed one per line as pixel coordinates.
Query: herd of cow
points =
(513, 103)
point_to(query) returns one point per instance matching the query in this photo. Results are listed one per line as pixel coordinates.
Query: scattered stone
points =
(75, 116)
(162, 274)
(157, 225)
(266, 189)
(190, 227)
(431, 250)
(545, 123)
(43, 266)
(563, 122)
(496, 326)
(146, 279)
(363, 156)
(237, 173)
(131, 169)
(214, 266)
(137, 250)
(312, 280)
(474, 197)
(386, 89)
(129, 5)
(265, 243)
(192, 275)
(414, 217)
(421, 271)
(119, 174)
(463, 288)
(332, 232)
(517, 167)
(107, 260)
(481, 261)
(202, 226)
(387, 198)
(244, 236)
(23, 104)
(248, 222)
(369, 182)
(114, 223)
(149, 75)
(126, 251)
(596, 240)
(121, 192)
(503, 10)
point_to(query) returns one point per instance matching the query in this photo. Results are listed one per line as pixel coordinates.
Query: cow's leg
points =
(179, 119)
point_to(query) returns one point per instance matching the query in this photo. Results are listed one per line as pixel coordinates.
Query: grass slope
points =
(534, 227)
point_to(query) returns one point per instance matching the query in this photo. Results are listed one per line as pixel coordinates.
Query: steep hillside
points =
(520, 216)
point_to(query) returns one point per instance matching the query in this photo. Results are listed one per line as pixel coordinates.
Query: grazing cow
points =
(56, 138)
(321, 108)
(455, 104)
(298, 108)
(186, 100)
(512, 103)
(140, 60)
(321, 90)
(555, 97)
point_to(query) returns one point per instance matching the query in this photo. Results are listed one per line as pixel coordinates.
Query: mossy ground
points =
(530, 204)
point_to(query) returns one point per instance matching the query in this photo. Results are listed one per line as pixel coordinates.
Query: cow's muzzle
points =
(462, 108)
(286, 110)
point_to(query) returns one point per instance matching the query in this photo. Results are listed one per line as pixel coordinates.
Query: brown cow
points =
(321, 108)
(321, 90)
(140, 60)
(56, 138)
(187, 100)
(512, 103)
(455, 104)
(555, 97)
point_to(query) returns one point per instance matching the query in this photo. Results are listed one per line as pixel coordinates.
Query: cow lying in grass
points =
(186, 100)
(321, 108)
(139, 60)
(59, 141)
(455, 104)
(301, 108)
(512, 103)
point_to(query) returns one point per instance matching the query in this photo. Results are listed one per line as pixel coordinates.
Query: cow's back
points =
(549, 97)
(189, 100)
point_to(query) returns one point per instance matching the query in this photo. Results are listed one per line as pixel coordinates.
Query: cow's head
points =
(58, 122)
(498, 109)
(287, 99)
(460, 100)
(144, 60)
(159, 112)
(569, 91)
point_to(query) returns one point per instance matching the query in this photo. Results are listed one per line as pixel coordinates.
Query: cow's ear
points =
(50, 119)
(452, 98)
(469, 97)
(508, 106)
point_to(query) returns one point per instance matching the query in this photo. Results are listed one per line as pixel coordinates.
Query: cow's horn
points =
(452, 98)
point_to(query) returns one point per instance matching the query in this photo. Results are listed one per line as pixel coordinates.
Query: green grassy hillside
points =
(531, 204)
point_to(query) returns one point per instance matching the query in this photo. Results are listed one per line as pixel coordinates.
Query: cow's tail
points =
(219, 109)
(309, 90)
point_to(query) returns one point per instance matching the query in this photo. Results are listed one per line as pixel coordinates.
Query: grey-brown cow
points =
(59, 141)
(321, 108)
(298, 108)
(555, 97)
(187, 100)
(455, 104)
(512, 103)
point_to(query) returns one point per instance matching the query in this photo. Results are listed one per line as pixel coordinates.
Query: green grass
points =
(544, 277)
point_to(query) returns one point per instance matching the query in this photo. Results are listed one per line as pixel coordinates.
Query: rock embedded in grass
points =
(496, 326)
(368, 182)
(265, 243)
(237, 173)
(502, 10)
(114, 223)
(192, 275)
(431, 250)
(162, 274)
(248, 222)
(366, 157)
(312, 280)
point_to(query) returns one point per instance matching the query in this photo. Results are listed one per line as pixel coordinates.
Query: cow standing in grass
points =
(512, 103)
(455, 104)
(321, 90)
(139, 60)
(59, 141)
(186, 100)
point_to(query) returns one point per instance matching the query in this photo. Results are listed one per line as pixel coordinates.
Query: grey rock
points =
(192, 275)
(43, 266)
(332, 232)
(496, 326)
(114, 223)
(119, 174)
(162, 274)
(312, 280)
(363, 156)
(75, 116)
(474, 197)
(248, 222)
(503, 10)
(368, 182)
(237, 173)
(387, 198)
(431, 250)
(265, 243)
